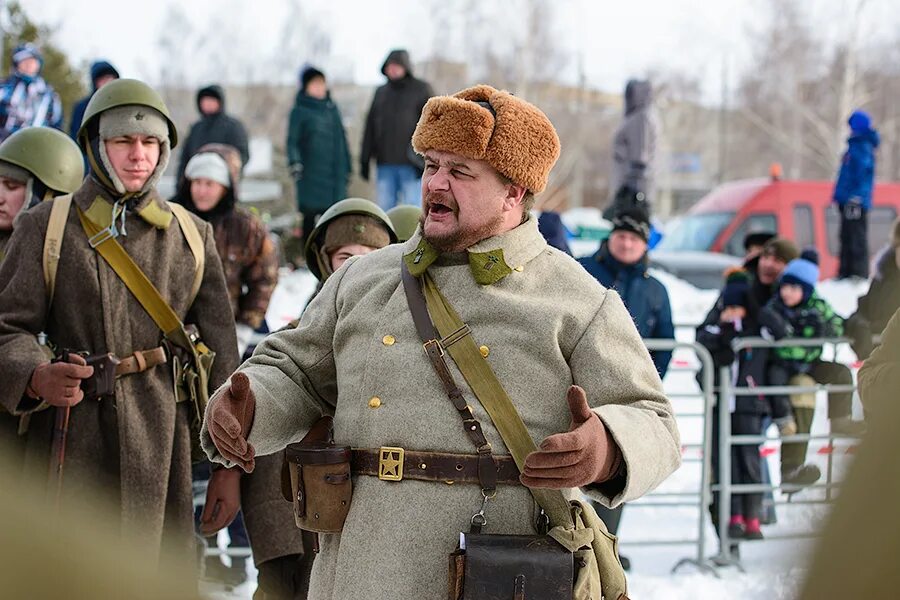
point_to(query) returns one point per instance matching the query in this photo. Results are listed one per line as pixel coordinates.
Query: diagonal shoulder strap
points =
(138, 284)
(56, 227)
(483, 382)
(195, 243)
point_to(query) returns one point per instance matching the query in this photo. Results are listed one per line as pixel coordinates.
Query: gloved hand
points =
(231, 414)
(585, 454)
(59, 383)
(296, 170)
(223, 500)
(364, 170)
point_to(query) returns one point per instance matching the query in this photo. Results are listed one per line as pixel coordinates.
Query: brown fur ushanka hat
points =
(519, 142)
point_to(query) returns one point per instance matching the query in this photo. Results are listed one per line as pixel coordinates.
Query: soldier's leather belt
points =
(140, 361)
(396, 464)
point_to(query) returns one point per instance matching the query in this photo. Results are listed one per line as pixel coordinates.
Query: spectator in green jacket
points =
(317, 151)
(805, 314)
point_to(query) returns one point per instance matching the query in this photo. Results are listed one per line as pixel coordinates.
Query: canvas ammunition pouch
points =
(315, 478)
(578, 557)
(190, 359)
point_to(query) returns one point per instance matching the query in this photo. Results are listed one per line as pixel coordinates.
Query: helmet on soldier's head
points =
(405, 219)
(124, 92)
(50, 156)
(315, 245)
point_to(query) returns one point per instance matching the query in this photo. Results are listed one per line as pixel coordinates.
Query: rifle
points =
(101, 383)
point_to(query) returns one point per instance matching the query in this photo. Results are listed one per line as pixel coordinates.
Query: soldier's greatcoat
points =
(136, 448)
(545, 323)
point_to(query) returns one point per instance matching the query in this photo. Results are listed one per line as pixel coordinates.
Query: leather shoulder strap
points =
(138, 284)
(56, 227)
(458, 342)
(195, 242)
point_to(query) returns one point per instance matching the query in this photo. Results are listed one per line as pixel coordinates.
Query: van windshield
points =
(695, 232)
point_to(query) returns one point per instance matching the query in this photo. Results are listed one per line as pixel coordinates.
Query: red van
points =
(799, 210)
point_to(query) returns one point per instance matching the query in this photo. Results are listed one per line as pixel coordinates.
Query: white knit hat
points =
(208, 165)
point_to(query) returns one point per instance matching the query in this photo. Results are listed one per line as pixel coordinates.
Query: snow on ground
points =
(774, 568)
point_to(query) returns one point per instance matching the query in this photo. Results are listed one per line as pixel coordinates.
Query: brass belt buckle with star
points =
(390, 463)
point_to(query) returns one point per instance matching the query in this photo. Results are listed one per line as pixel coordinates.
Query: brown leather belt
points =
(140, 361)
(396, 464)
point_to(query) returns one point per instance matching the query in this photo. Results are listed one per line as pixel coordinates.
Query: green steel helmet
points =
(405, 219)
(123, 92)
(348, 206)
(49, 155)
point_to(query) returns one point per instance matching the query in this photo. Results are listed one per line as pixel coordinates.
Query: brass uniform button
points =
(519, 268)
(388, 340)
(485, 351)
(374, 402)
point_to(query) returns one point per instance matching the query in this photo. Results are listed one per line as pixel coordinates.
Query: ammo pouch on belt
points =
(316, 480)
(190, 373)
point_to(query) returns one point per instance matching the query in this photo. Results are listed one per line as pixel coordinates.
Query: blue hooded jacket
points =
(857, 173)
(646, 299)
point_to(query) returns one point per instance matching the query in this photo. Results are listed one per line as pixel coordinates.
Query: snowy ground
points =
(774, 568)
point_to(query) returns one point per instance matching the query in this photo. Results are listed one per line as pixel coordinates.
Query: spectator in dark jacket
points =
(317, 151)
(26, 100)
(621, 264)
(102, 73)
(880, 302)
(551, 227)
(214, 127)
(395, 110)
(732, 318)
(853, 194)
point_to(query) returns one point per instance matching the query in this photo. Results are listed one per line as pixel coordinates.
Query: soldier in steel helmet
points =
(131, 443)
(405, 219)
(36, 164)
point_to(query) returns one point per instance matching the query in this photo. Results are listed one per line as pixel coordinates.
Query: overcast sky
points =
(616, 39)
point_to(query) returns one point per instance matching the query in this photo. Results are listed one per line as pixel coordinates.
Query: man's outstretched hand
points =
(230, 418)
(583, 455)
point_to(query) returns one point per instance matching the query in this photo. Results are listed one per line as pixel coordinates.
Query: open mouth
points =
(439, 209)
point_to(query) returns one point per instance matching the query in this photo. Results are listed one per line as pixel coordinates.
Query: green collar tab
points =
(100, 213)
(487, 267)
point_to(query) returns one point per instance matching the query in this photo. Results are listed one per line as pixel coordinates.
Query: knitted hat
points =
(782, 249)
(634, 219)
(134, 119)
(483, 123)
(208, 165)
(14, 172)
(801, 272)
(24, 51)
(355, 229)
(757, 238)
(737, 287)
(307, 74)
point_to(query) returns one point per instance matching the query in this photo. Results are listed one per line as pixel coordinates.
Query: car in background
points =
(799, 210)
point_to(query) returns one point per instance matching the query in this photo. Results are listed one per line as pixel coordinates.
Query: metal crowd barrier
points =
(724, 486)
(701, 498)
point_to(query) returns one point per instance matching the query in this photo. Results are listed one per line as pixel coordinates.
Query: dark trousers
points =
(746, 466)
(854, 256)
(309, 222)
(287, 577)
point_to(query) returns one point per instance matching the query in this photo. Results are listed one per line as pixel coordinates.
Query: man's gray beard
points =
(458, 241)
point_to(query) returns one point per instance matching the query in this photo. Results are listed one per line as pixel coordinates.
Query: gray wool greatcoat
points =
(546, 325)
(134, 450)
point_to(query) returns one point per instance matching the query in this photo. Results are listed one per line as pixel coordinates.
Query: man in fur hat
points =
(563, 347)
(132, 446)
